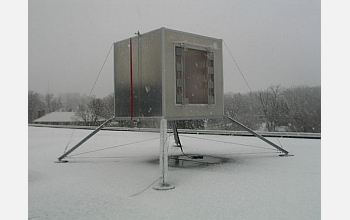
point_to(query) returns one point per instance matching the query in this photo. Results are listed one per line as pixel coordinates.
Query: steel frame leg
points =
(176, 135)
(259, 136)
(84, 140)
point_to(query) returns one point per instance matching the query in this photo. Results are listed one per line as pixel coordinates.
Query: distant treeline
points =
(89, 109)
(296, 109)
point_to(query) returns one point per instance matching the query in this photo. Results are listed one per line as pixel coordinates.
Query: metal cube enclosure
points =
(168, 73)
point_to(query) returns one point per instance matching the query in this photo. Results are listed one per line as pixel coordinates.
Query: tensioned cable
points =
(279, 142)
(101, 69)
(97, 157)
(121, 145)
(92, 88)
(239, 69)
(69, 141)
(244, 153)
(226, 142)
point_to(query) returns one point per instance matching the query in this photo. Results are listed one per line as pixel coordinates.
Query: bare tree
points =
(35, 104)
(108, 106)
(304, 104)
(52, 103)
(296, 109)
(48, 99)
(72, 101)
(91, 112)
(56, 104)
(273, 106)
(242, 107)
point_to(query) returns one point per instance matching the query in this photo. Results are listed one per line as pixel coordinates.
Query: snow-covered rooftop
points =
(110, 178)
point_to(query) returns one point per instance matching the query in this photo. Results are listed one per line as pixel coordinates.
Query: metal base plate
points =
(61, 161)
(286, 155)
(164, 186)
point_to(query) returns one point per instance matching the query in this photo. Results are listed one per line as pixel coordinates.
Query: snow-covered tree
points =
(35, 104)
(108, 106)
(91, 112)
(243, 108)
(304, 104)
(273, 107)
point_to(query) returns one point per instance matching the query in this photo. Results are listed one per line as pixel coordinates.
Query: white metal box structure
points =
(170, 74)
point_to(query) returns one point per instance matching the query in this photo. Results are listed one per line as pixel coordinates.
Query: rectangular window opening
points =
(194, 76)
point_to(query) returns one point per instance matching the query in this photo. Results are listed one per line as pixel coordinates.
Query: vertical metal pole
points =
(163, 158)
(131, 88)
(139, 80)
(164, 82)
(163, 151)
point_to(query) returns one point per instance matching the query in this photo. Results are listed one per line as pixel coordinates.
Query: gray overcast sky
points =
(273, 41)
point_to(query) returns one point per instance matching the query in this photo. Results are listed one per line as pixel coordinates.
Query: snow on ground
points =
(251, 182)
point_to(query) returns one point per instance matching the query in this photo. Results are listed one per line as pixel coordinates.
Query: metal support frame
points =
(259, 136)
(84, 140)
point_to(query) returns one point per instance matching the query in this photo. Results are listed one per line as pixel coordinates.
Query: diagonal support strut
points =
(176, 135)
(84, 140)
(259, 136)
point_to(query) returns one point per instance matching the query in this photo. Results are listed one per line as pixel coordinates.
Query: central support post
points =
(163, 158)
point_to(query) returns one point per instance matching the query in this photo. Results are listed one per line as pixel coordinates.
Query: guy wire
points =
(226, 142)
(121, 145)
(101, 69)
(239, 69)
(91, 90)
(69, 141)
(237, 66)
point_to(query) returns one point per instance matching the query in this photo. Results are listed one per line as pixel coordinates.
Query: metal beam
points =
(85, 139)
(258, 136)
(176, 135)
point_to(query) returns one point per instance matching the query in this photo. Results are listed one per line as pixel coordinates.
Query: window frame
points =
(180, 74)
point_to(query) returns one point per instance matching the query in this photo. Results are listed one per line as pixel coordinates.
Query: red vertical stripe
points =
(131, 89)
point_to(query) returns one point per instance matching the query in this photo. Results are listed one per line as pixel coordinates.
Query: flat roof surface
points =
(112, 174)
